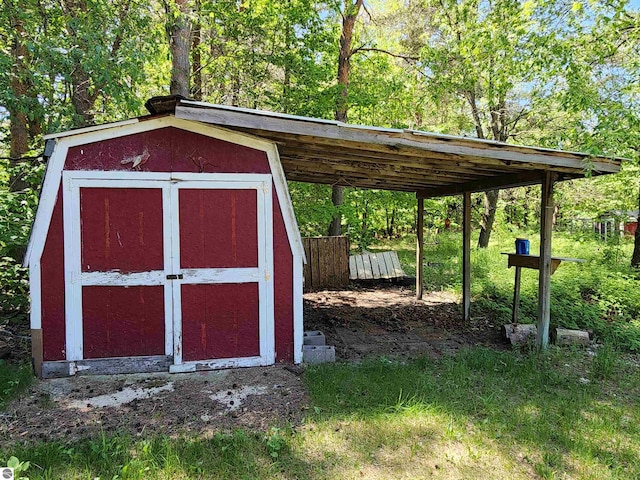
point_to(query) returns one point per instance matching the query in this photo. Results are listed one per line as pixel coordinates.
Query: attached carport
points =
(431, 165)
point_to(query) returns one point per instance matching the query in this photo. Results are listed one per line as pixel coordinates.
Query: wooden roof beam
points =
(345, 134)
(501, 181)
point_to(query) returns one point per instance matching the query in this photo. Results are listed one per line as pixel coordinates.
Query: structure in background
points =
(616, 223)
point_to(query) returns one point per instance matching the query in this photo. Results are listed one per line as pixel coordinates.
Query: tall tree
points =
(179, 33)
(483, 52)
(20, 99)
(349, 15)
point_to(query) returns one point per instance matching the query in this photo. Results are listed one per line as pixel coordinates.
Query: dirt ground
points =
(359, 322)
(389, 321)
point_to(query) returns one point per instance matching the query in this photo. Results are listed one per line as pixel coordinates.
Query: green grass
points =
(14, 379)
(479, 414)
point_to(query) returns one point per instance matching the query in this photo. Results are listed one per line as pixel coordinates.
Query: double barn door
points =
(176, 265)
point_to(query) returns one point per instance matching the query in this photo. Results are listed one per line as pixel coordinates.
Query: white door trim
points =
(75, 279)
(262, 274)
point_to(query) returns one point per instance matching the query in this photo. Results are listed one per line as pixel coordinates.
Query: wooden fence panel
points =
(327, 262)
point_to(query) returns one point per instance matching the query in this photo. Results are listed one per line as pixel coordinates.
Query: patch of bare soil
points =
(173, 404)
(389, 321)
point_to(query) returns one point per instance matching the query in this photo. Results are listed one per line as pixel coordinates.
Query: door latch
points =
(175, 276)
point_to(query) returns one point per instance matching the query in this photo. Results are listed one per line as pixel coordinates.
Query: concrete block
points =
(314, 337)
(314, 354)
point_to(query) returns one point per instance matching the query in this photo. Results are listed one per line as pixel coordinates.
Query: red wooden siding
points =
(52, 284)
(122, 321)
(168, 150)
(218, 228)
(283, 287)
(220, 321)
(121, 229)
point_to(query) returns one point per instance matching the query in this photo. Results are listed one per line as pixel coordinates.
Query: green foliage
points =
(14, 379)
(17, 211)
(18, 468)
(275, 442)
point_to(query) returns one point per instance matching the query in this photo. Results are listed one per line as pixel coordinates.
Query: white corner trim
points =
(298, 320)
(72, 269)
(94, 128)
(286, 207)
(35, 292)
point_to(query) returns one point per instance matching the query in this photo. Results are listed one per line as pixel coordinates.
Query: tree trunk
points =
(81, 99)
(85, 89)
(196, 56)
(179, 30)
(349, 16)
(337, 198)
(488, 216)
(635, 258)
(18, 119)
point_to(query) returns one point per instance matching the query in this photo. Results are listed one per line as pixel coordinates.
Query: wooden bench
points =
(375, 266)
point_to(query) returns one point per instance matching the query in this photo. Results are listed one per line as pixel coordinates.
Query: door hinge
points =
(174, 276)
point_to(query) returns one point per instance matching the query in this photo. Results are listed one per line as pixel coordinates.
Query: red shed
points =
(163, 244)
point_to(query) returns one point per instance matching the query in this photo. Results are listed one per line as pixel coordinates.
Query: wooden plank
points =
(420, 249)
(353, 269)
(531, 261)
(344, 261)
(307, 266)
(466, 256)
(36, 351)
(366, 261)
(389, 264)
(516, 296)
(544, 278)
(107, 366)
(375, 266)
(384, 271)
(324, 262)
(296, 149)
(360, 267)
(502, 181)
(315, 263)
(397, 268)
(356, 162)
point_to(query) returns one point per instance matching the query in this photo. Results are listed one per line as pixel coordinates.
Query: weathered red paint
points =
(52, 284)
(168, 150)
(630, 228)
(122, 321)
(283, 287)
(220, 321)
(138, 212)
(121, 229)
(218, 228)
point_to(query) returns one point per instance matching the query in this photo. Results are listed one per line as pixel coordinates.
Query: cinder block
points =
(314, 337)
(314, 354)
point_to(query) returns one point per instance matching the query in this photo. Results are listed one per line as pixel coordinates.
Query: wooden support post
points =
(466, 256)
(544, 278)
(420, 249)
(516, 296)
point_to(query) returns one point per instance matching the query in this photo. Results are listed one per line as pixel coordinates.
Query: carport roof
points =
(325, 151)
